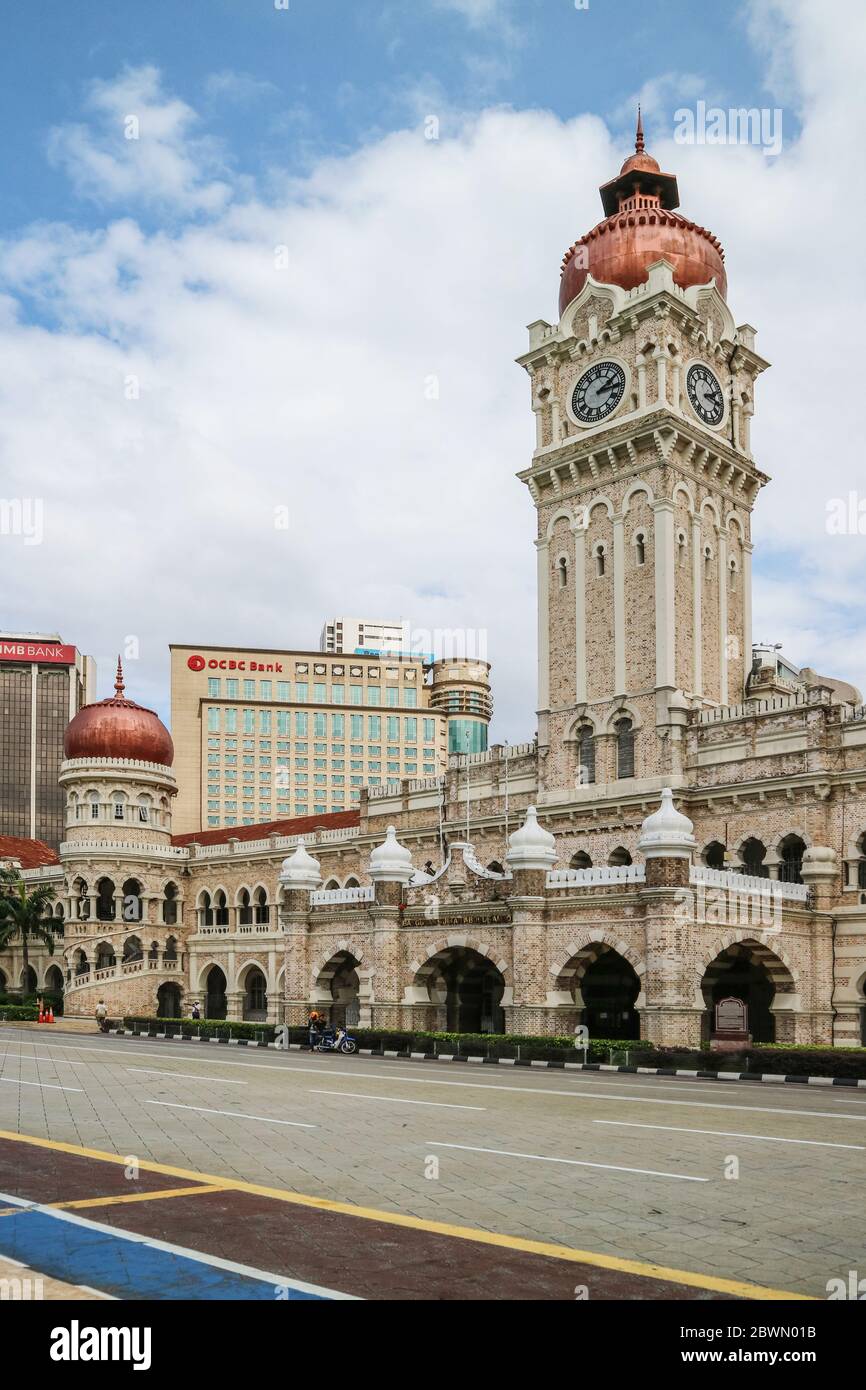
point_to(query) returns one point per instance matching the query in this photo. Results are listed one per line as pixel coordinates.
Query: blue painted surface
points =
(129, 1269)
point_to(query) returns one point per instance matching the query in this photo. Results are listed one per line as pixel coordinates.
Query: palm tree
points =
(23, 917)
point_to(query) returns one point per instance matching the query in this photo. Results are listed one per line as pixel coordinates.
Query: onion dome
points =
(531, 847)
(301, 870)
(391, 862)
(120, 729)
(640, 227)
(667, 833)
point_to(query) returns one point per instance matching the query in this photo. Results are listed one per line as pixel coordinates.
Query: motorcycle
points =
(336, 1040)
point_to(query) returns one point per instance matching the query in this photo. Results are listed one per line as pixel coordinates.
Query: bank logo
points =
(195, 663)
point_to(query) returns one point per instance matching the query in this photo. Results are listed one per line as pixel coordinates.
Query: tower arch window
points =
(580, 860)
(585, 755)
(619, 858)
(714, 855)
(753, 853)
(599, 557)
(640, 547)
(708, 562)
(624, 730)
(732, 574)
(682, 547)
(562, 571)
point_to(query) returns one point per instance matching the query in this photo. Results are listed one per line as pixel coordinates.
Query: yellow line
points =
(734, 1287)
(135, 1197)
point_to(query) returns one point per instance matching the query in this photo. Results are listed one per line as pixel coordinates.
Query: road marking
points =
(188, 1076)
(574, 1162)
(730, 1134)
(232, 1114)
(393, 1100)
(40, 1085)
(160, 1195)
(150, 1244)
(735, 1287)
(286, 1068)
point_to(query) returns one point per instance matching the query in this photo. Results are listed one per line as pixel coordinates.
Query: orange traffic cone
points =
(50, 1018)
(41, 1017)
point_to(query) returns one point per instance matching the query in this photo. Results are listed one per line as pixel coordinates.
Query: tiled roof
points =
(30, 854)
(299, 825)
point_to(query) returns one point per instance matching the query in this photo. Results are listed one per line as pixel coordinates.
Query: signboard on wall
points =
(49, 652)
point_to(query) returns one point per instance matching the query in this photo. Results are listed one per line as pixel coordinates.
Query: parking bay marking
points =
(574, 1162)
(394, 1100)
(232, 1114)
(730, 1134)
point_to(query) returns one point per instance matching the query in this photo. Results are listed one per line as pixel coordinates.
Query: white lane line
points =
(730, 1134)
(40, 1085)
(190, 1076)
(394, 1100)
(285, 1067)
(232, 1114)
(573, 1162)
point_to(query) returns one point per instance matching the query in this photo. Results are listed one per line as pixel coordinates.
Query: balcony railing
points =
(602, 876)
(333, 897)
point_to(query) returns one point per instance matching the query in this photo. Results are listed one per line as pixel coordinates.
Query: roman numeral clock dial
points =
(598, 392)
(705, 394)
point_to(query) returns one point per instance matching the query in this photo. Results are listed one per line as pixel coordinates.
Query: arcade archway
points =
(467, 989)
(752, 973)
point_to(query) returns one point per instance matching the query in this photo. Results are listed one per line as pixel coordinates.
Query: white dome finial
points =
(531, 847)
(301, 870)
(667, 833)
(391, 862)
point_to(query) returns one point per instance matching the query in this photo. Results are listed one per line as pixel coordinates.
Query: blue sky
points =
(299, 382)
(280, 89)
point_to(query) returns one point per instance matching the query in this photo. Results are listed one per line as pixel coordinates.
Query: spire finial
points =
(638, 139)
(118, 680)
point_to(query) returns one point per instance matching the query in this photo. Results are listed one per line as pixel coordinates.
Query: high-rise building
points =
(43, 684)
(265, 735)
(361, 635)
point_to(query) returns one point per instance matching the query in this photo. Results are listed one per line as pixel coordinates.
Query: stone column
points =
(579, 530)
(531, 853)
(543, 639)
(391, 868)
(299, 876)
(820, 872)
(670, 1015)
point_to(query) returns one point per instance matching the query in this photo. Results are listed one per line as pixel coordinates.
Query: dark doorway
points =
(474, 988)
(610, 988)
(255, 996)
(215, 998)
(734, 974)
(168, 1001)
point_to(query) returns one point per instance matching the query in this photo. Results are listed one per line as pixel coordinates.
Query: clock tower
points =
(643, 482)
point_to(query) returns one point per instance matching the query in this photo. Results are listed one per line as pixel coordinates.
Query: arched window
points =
(753, 853)
(93, 798)
(585, 755)
(169, 904)
(708, 562)
(640, 548)
(170, 952)
(221, 910)
(599, 560)
(619, 858)
(714, 855)
(562, 571)
(131, 907)
(861, 866)
(732, 568)
(580, 860)
(132, 949)
(119, 801)
(791, 851)
(682, 547)
(352, 882)
(262, 911)
(624, 748)
(205, 909)
(105, 900)
(245, 910)
(494, 867)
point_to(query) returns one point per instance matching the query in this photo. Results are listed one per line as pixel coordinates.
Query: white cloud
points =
(140, 146)
(407, 260)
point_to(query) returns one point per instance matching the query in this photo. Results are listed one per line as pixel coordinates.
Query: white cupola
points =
(391, 862)
(301, 870)
(531, 847)
(667, 833)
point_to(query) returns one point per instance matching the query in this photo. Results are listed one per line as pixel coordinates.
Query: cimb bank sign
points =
(77, 1343)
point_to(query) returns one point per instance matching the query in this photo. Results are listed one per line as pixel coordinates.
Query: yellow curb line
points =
(734, 1287)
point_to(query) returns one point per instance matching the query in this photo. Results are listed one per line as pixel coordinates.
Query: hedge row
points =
(528, 1047)
(782, 1059)
(21, 1013)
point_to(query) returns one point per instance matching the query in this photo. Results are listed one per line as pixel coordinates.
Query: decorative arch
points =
(592, 941)
(561, 514)
(684, 488)
(636, 487)
(775, 960)
(709, 505)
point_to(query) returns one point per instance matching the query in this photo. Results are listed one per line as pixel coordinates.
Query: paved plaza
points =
(386, 1178)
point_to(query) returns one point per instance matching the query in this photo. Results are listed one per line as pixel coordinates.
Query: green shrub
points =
(22, 1013)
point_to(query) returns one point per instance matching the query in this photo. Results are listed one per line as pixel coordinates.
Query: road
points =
(379, 1178)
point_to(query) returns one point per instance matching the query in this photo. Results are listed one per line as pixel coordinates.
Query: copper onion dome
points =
(640, 227)
(118, 728)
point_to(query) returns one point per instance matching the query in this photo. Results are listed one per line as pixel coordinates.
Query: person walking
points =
(315, 1025)
(101, 1016)
(196, 1011)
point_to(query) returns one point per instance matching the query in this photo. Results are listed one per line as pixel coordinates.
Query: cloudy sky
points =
(257, 328)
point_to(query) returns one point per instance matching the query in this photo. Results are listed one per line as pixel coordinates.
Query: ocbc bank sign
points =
(228, 663)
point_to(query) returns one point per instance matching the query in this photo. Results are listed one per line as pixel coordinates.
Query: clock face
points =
(705, 394)
(598, 392)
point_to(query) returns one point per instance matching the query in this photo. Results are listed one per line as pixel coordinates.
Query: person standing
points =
(196, 1011)
(101, 1016)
